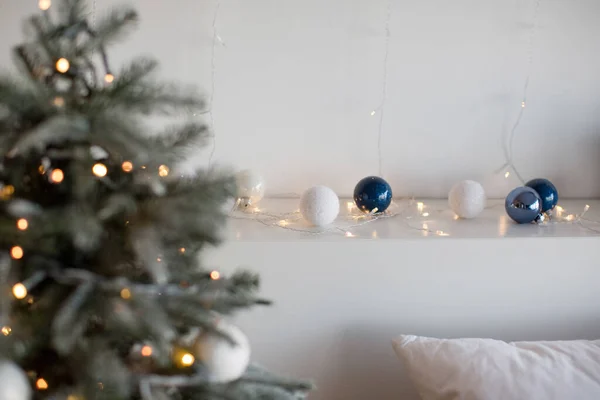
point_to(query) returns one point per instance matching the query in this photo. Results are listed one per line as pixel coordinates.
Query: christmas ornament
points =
(524, 205)
(547, 192)
(225, 360)
(373, 194)
(14, 384)
(319, 205)
(250, 188)
(467, 199)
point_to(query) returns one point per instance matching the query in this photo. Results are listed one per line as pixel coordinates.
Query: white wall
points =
(296, 81)
(338, 304)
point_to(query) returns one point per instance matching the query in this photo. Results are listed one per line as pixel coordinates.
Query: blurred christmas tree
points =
(104, 297)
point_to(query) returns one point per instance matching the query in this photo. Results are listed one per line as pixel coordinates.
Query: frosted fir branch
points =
(149, 381)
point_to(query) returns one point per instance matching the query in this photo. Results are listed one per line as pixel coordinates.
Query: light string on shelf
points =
(293, 221)
(508, 137)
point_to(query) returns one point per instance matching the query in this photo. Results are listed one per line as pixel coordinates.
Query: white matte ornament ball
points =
(224, 360)
(14, 384)
(467, 199)
(319, 205)
(250, 188)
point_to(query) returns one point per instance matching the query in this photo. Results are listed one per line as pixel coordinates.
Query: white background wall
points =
(296, 81)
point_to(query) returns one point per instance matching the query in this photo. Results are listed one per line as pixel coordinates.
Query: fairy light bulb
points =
(19, 291)
(163, 170)
(109, 78)
(127, 166)
(16, 252)
(182, 250)
(99, 170)
(146, 351)
(215, 275)
(41, 384)
(507, 174)
(6, 330)
(44, 5)
(22, 224)
(187, 360)
(63, 65)
(125, 294)
(57, 176)
(59, 101)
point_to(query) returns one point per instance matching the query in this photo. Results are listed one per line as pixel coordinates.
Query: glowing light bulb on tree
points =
(100, 170)
(63, 65)
(57, 176)
(44, 5)
(16, 252)
(127, 166)
(19, 291)
(22, 224)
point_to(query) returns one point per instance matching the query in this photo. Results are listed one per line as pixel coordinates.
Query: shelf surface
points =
(279, 220)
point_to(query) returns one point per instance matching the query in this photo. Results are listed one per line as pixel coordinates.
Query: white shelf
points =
(407, 222)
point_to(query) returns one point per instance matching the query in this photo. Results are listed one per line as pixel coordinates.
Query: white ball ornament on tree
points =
(225, 360)
(467, 199)
(319, 205)
(14, 384)
(250, 188)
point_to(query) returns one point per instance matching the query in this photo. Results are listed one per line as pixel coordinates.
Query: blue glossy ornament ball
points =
(523, 205)
(373, 193)
(547, 192)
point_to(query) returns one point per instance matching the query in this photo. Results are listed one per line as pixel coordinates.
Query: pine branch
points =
(72, 11)
(54, 130)
(117, 24)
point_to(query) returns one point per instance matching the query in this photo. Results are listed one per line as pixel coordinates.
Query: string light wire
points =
(213, 70)
(384, 87)
(508, 142)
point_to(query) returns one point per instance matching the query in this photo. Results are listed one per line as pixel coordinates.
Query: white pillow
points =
(487, 369)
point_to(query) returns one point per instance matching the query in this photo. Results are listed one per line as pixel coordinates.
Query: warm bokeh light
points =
(63, 65)
(507, 174)
(19, 291)
(7, 191)
(44, 5)
(163, 170)
(125, 293)
(109, 78)
(57, 176)
(187, 359)
(182, 250)
(6, 330)
(59, 101)
(16, 252)
(127, 166)
(214, 275)
(146, 351)
(41, 384)
(349, 234)
(22, 224)
(99, 170)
